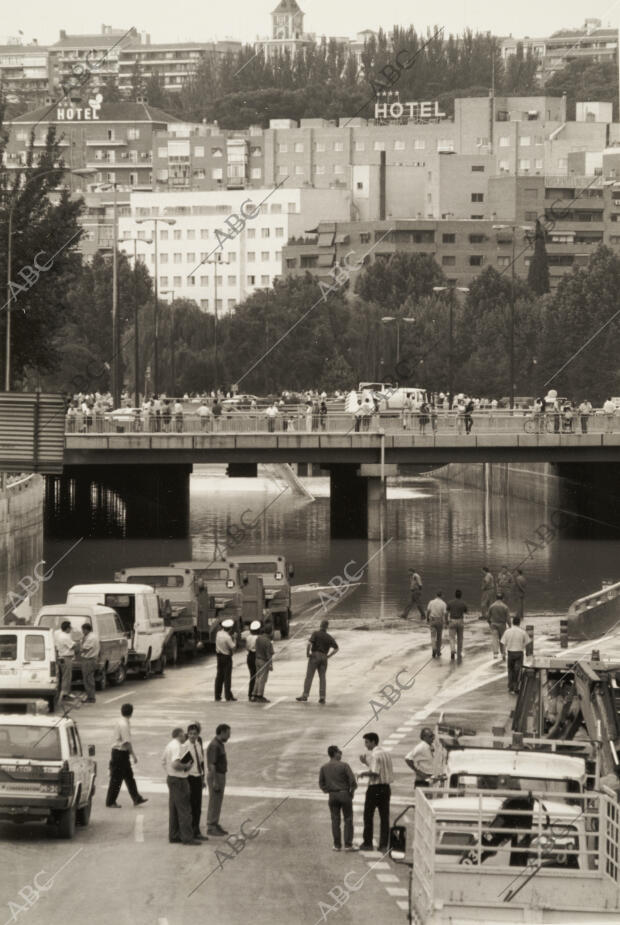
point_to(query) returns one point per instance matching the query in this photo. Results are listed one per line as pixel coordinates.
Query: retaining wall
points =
(21, 541)
(538, 482)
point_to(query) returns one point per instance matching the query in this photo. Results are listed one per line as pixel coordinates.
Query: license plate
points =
(29, 786)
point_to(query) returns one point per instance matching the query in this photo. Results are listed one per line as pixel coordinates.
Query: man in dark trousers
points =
(457, 608)
(515, 640)
(380, 775)
(250, 645)
(177, 763)
(196, 776)
(499, 621)
(321, 646)
(338, 780)
(217, 768)
(120, 765)
(224, 648)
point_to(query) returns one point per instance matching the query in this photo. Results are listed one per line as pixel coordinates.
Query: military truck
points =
(224, 583)
(275, 574)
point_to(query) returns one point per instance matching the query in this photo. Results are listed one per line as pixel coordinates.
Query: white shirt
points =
(515, 639)
(437, 610)
(89, 646)
(223, 643)
(423, 757)
(198, 762)
(122, 734)
(609, 407)
(173, 751)
(250, 641)
(204, 411)
(379, 762)
(65, 645)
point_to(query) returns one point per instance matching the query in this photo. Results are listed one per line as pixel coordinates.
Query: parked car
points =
(44, 774)
(28, 665)
(106, 624)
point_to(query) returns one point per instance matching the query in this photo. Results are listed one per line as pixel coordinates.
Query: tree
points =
(538, 273)
(392, 281)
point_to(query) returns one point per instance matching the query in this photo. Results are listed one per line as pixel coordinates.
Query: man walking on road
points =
(515, 641)
(120, 764)
(321, 646)
(437, 616)
(504, 583)
(520, 585)
(65, 650)
(488, 592)
(224, 648)
(499, 621)
(380, 775)
(264, 664)
(175, 760)
(457, 608)
(338, 780)
(421, 759)
(217, 768)
(415, 589)
(89, 653)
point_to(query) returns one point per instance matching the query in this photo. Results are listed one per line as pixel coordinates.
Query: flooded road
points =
(447, 532)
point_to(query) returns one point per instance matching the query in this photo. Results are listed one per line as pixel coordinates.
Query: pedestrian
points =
(424, 417)
(421, 759)
(65, 652)
(515, 640)
(250, 637)
(272, 412)
(407, 412)
(552, 407)
(499, 617)
(196, 776)
(178, 416)
(264, 664)
(457, 608)
(120, 761)
(468, 412)
(367, 412)
(205, 415)
(437, 616)
(323, 415)
(488, 592)
(415, 590)
(224, 648)
(520, 585)
(177, 762)
(216, 411)
(609, 410)
(380, 775)
(585, 410)
(89, 654)
(321, 646)
(504, 583)
(217, 768)
(338, 780)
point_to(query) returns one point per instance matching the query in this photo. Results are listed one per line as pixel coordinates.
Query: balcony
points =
(105, 142)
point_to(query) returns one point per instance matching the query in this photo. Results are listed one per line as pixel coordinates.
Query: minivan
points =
(28, 663)
(139, 610)
(107, 627)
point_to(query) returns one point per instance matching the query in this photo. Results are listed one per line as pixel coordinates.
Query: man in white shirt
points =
(204, 413)
(89, 655)
(65, 650)
(196, 776)
(120, 764)
(380, 775)
(224, 648)
(250, 636)
(179, 806)
(437, 616)
(609, 409)
(272, 413)
(515, 640)
(421, 759)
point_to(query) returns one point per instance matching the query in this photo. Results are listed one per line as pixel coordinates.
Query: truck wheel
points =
(146, 668)
(172, 651)
(101, 681)
(284, 622)
(119, 675)
(160, 664)
(83, 814)
(66, 823)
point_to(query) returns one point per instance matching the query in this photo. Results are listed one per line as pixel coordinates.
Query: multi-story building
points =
(173, 62)
(96, 56)
(203, 257)
(25, 71)
(114, 141)
(287, 31)
(591, 43)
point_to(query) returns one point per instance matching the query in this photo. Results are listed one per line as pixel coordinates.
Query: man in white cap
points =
(224, 648)
(250, 637)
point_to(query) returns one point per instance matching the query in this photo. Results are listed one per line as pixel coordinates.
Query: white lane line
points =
(270, 705)
(398, 735)
(162, 921)
(396, 891)
(120, 697)
(403, 904)
(139, 827)
(388, 878)
(381, 865)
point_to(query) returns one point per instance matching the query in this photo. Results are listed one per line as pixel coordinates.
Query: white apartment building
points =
(216, 263)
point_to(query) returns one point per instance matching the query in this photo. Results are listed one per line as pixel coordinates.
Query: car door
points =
(76, 762)
(10, 660)
(123, 642)
(113, 643)
(36, 662)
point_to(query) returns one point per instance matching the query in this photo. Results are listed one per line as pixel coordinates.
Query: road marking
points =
(139, 828)
(388, 878)
(120, 697)
(162, 921)
(381, 865)
(270, 705)
(396, 891)
(403, 904)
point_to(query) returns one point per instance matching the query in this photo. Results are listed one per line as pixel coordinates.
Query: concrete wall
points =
(21, 541)
(538, 482)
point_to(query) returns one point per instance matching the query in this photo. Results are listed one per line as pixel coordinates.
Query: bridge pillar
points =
(591, 493)
(242, 470)
(357, 503)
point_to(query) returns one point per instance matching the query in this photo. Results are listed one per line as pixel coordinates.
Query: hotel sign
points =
(420, 111)
(88, 113)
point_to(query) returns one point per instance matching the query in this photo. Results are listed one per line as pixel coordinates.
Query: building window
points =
(177, 234)
(264, 256)
(204, 233)
(476, 260)
(291, 208)
(231, 304)
(448, 261)
(477, 168)
(365, 237)
(448, 238)
(283, 149)
(163, 281)
(419, 144)
(379, 146)
(191, 280)
(191, 234)
(204, 304)
(503, 261)
(319, 168)
(338, 168)
(256, 173)
(562, 163)
(177, 258)
(445, 144)
(232, 258)
(264, 280)
(264, 232)
(359, 185)
(216, 173)
(399, 145)
(256, 152)
(338, 146)
(319, 147)
(276, 208)
(199, 151)
(504, 167)
(163, 234)
(299, 170)
(279, 232)
(190, 257)
(504, 141)
(218, 280)
(283, 170)
(204, 280)
(200, 173)
(232, 280)
(477, 197)
(163, 258)
(539, 163)
(218, 304)
(360, 146)
(476, 217)
(251, 233)
(251, 280)
(299, 148)
(476, 238)
(524, 163)
(176, 281)
(133, 134)
(525, 141)
(251, 257)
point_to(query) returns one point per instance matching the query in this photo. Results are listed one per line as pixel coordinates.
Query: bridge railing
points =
(440, 422)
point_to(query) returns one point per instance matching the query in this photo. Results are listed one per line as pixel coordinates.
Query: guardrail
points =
(439, 422)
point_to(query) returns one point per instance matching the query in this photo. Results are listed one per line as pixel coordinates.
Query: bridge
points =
(147, 461)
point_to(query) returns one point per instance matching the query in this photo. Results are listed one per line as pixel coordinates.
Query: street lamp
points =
(451, 290)
(136, 345)
(387, 319)
(166, 221)
(217, 260)
(170, 292)
(513, 229)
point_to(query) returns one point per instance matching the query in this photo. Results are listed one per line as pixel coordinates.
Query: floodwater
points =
(447, 532)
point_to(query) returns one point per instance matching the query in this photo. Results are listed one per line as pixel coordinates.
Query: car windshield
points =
(157, 581)
(260, 568)
(213, 574)
(53, 621)
(38, 742)
(497, 782)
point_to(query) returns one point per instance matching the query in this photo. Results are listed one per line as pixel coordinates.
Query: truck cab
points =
(275, 574)
(224, 583)
(45, 774)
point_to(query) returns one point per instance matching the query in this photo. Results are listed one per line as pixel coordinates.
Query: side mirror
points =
(398, 842)
(91, 751)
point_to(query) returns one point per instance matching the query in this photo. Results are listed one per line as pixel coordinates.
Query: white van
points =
(139, 609)
(28, 663)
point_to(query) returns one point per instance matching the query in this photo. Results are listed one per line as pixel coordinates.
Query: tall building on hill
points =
(287, 31)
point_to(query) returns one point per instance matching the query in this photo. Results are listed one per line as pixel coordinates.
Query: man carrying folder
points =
(177, 761)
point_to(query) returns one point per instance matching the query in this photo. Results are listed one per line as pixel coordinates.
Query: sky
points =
(187, 20)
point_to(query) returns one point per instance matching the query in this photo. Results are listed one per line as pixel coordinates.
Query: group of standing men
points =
(67, 650)
(510, 585)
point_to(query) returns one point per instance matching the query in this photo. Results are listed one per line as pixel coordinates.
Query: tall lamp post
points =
(513, 229)
(170, 292)
(451, 290)
(217, 261)
(388, 319)
(156, 221)
(136, 344)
